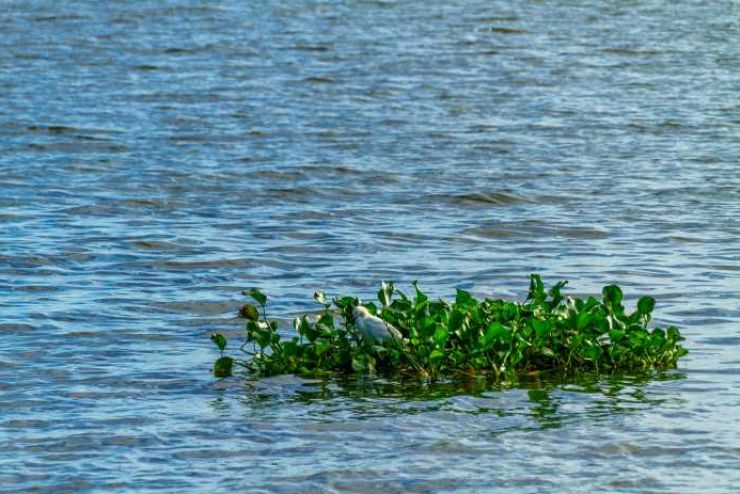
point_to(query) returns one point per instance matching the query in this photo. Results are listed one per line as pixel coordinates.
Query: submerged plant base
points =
(467, 337)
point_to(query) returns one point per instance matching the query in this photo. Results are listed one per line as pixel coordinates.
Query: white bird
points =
(374, 329)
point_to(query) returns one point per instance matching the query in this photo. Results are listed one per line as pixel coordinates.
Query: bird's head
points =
(360, 311)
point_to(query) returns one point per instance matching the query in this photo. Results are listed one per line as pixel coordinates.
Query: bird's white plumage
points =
(373, 328)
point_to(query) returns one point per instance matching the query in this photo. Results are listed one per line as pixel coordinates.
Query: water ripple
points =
(160, 158)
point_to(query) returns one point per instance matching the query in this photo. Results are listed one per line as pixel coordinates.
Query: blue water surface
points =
(157, 157)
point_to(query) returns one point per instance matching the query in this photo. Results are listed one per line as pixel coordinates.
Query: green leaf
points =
(401, 305)
(320, 297)
(583, 319)
(612, 295)
(440, 335)
(249, 311)
(419, 296)
(657, 339)
(257, 295)
(343, 302)
(495, 332)
(637, 338)
(645, 305)
(385, 294)
(436, 357)
(263, 337)
(305, 328)
(510, 311)
(456, 320)
(555, 292)
(673, 334)
(592, 353)
(290, 348)
(326, 321)
(536, 289)
(615, 335)
(457, 357)
(462, 297)
(222, 367)
(219, 340)
(589, 304)
(542, 328)
(322, 348)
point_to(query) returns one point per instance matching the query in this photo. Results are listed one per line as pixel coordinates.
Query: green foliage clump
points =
(546, 332)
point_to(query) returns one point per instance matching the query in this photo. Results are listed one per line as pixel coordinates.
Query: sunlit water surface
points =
(159, 156)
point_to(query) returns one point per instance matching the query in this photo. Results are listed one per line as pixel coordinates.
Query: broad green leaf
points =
(456, 320)
(326, 320)
(496, 332)
(555, 292)
(257, 295)
(592, 353)
(462, 297)
(219, 340)
(673, 334)
(419, 296)
(436, 357)
(637, 338)
(542, 328)
(343, 302)
(322, 348)
(645, 305)
(290, 348)
(615, 335)
(509, 311)
(536, 289)
(305, 328)
(222, 367)
(249, 311)
(583, 319)
(263, 337)
(440, 335)
(612, 295)
(385, 294)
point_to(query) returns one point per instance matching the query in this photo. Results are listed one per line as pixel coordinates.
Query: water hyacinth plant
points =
(547, 332)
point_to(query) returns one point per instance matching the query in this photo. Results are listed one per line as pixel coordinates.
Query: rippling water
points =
(158, 157)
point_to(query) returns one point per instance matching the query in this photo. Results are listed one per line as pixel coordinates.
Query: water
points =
(158, 157)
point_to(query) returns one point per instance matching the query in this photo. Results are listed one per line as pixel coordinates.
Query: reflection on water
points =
(156, 158)
(547, 400)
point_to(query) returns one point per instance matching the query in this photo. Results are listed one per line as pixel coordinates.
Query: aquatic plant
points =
(546, 332)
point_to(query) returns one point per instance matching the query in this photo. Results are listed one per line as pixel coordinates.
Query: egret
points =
(374, 329)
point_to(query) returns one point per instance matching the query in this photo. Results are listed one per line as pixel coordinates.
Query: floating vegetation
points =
(433, 339)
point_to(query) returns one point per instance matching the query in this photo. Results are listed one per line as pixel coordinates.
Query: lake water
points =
(157, 157)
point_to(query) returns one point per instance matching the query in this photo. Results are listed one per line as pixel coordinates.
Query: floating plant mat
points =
(413, 335)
